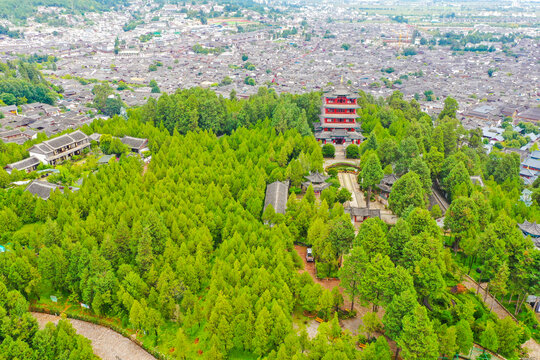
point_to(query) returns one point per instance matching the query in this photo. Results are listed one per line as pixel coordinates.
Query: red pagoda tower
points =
(338, 118)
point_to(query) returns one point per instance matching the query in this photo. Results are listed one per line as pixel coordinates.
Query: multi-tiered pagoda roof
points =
(339, 118)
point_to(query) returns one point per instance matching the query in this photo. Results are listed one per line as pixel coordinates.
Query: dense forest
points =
(21, 83)
(196, 108)
(180, 251)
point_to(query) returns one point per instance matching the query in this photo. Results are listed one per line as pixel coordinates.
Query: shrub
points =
(295, 190)
(328, 150)
(352, 152)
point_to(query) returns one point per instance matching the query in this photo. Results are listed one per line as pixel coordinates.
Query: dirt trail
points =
(350, 324)
(107, 344)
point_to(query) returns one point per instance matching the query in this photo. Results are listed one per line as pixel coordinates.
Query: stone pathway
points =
(349, 181)
(107, 344)
(490, 302)
(501, 312)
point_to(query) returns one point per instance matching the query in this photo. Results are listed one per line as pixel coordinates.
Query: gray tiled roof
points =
(277, 194)
(134, 143)
(44, 189)
(41, 188)
(317, 177)
(60, 142)
(78, 135)
(530, 228)
(24, 164)
(364, 212)
(530, 162)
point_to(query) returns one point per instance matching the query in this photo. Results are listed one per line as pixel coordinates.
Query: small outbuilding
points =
(30, 164)
(44, 189)
(317, 181)
(137, 145)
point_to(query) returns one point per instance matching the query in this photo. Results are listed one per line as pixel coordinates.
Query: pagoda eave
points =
(340, 106)
(338, 116)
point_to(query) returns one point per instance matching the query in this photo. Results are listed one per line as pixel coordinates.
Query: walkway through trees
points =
(107, 344)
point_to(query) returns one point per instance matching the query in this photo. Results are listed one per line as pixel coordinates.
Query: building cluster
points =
(492, 112)
(24, 122)
(64, 147)
(300, 51)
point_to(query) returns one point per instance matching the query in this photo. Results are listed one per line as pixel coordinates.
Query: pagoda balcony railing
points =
(339, 111)
(341, 102)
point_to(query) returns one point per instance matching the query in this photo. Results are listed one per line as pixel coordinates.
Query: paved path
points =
(107, 344)
(501, 312)
(490, 302)
(339, 157)
(350, 182)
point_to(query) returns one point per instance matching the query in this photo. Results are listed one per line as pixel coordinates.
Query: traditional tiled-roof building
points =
(56, 150)
(338, 118)
(44, 189)
(277, 194)
(317, 181)
(30, 164)
(137, 145)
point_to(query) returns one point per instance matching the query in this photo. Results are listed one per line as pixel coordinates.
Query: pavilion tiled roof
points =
(317, 177)
(530, 228)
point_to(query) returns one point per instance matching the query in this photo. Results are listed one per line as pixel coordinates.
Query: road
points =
(107, 344)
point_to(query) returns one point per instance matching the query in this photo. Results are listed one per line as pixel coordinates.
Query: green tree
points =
(418, 340)
(458, 182)
(462, 219)
(508, 335)
(450, 108)
(371, 237)
(343, 195)
(352, 152)
(341, 236)
(420, 167)
(407, 191)
(488, 338)
(371, 324)
(182, 345)
(154, 86)
(464, 337)
(434, 159)
(351, 273)
(447, 341)
(436, 211)
(371, 174)
(378, 350)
